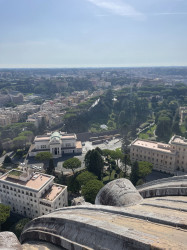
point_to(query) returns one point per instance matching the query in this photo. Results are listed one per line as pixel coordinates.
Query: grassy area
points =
(149, 133)
(183, 129)
(15, 173)
(107, 178)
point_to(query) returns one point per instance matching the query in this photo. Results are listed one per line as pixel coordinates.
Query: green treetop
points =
(91, 189)
(4, 213)
(72, 164)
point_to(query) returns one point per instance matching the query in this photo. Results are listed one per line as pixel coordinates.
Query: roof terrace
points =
(53, 192)
(178, 140)
(35, 182)
(152, 145)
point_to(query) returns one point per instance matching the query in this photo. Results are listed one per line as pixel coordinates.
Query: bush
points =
(91, 189)
(18, 227)
(85, 177)
(139, 182)
(7, 160)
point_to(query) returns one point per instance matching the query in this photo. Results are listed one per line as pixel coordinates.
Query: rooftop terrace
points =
(152, 145)
(53, 192)
(179, 139)
(35, 182)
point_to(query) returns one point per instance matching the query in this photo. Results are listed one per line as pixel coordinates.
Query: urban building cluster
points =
(19, 113)
(168, 158)
(10, 97)
(183, 114)
(100, 84)
(53, 111)
(30, 193)
(57, 143)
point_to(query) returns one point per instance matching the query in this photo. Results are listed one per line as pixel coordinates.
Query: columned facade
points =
(57, 144)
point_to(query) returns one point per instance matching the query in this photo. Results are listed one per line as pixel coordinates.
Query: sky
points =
(93, 33)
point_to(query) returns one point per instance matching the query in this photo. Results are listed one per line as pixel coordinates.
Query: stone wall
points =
(87, 135)
(173, 186)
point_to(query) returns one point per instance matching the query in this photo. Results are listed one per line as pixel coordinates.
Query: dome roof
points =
(55, 136)
(120, 192)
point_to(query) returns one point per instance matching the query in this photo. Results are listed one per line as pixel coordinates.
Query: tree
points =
(62, 179)
(109, 164)
(185, 122)
(125, 141)
(139, 182)
(72, 164)
(20, 141)
(28, 134)
(43, 125)
(117, 155)
(18, 227)
(7, 160)
(139, 171)
(44, 157)
(122, 118)
(4, 213)
(176, 128)
(91, 189)
(94, 163)
(126, 161)
(84, 177)
(134, 173)
(1, 149)
(99, 150)
(163, 129)
(73, 185)
(144, 168)
(50, 168)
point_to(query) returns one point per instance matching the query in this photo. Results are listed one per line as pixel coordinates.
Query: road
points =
(112, 145)
(58, 162)
(3, 157)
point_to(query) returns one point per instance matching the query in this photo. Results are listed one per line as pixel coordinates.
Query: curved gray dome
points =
(120, 192)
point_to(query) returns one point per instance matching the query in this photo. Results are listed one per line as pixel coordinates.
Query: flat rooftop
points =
(179, 140)
(68, 137)
(153, 145)
(78, 144)
(36, 182)
(53, 192)
(42, 138)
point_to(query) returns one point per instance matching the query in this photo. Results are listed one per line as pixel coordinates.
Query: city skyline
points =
(92, 33)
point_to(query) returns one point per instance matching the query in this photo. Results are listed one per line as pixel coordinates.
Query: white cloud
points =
(116, 7)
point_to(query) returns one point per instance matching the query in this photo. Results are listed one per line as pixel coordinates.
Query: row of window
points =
(153, 159)
(18, 190)
(137, 155)
(45, 204)
(145, 152)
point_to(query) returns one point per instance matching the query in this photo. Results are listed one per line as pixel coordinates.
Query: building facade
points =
(167, 158)
(31, 194)
(57, 143)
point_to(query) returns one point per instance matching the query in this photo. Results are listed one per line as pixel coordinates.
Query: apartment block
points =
(167, 158)
(31, 194)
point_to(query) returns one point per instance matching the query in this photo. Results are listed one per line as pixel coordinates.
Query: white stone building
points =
(31, 194)
(183, 114)
(167, 158)
(57, 143)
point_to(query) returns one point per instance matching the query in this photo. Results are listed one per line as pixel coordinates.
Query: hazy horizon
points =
(93, 33)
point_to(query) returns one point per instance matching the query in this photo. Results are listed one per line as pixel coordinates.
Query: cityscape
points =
(93, 125)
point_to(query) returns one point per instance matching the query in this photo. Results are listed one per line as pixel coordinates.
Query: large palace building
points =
(31, 194)
(58, 143)
(167, 158)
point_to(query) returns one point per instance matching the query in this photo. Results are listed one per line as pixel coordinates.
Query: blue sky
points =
(93, 33)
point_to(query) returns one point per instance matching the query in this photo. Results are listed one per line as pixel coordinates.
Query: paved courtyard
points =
(113, 144)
